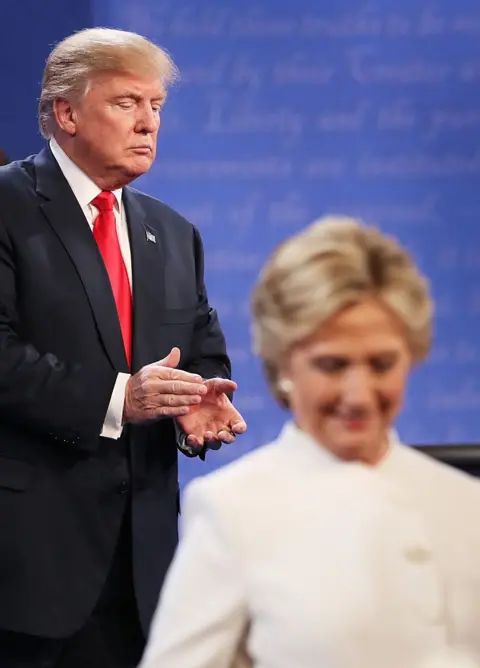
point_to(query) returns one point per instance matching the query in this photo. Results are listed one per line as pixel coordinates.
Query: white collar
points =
(84, 189)
(294, 438)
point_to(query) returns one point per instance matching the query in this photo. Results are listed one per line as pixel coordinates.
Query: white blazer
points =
(292, 558)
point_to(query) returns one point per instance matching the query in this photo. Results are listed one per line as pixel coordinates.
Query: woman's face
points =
(348, 381)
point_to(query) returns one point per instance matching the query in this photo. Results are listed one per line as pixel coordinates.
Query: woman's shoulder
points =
(440, 481)
(259, 463)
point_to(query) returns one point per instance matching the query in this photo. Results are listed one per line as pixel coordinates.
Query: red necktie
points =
(105, 233)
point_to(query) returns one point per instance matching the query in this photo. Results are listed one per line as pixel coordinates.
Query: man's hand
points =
(214, 419)
(161, 390)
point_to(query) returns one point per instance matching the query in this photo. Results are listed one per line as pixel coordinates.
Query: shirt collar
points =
(84, 189)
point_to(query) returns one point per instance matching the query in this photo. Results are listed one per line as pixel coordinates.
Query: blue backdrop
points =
(289, 110)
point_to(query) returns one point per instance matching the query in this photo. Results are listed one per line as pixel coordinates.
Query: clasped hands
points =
(201, 407)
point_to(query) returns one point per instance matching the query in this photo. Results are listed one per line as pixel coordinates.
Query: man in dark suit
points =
(110, 358)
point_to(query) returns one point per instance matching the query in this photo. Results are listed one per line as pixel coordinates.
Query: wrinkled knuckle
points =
(143, 375)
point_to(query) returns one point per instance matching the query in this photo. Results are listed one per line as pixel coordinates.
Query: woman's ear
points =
(285, 385)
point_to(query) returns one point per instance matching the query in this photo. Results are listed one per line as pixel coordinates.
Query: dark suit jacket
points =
(62, 487)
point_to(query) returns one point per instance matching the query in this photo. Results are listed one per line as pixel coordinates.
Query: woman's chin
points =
(365, 445)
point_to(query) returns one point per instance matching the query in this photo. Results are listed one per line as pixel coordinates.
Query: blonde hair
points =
(333, 263)
(78, 57)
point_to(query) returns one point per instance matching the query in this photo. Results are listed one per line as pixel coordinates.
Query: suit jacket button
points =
(123, 487)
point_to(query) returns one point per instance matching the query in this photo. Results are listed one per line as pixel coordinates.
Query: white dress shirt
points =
(85, 190)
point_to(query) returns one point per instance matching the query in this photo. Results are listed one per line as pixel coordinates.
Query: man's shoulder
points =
(17, 172)
(17, 184)
(156, 210)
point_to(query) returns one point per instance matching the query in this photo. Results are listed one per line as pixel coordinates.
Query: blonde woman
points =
(335, 546)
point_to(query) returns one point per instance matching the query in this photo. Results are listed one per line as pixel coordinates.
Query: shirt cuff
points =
(182, 444)
(112, 426)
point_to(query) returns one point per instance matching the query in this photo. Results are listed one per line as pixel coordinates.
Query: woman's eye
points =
(382, 364)
(329, 364)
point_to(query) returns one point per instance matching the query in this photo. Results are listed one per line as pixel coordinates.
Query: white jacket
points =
(292, 558)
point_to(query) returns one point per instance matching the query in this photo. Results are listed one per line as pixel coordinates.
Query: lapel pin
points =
(150, 237)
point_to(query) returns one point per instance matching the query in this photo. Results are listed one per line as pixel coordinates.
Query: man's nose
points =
(147, 120)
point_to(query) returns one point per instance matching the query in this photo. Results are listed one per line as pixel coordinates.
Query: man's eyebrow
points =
(137, 97)
(127, 94)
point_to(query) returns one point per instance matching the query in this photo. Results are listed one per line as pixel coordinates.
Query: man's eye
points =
(126, 104)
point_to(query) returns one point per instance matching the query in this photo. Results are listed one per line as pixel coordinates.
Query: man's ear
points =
(65, 115)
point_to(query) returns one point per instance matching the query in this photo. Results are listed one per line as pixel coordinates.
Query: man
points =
(109, 355)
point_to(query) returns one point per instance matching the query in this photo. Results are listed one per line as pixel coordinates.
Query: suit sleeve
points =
(208, 355)
(202, 616)
(61, 399)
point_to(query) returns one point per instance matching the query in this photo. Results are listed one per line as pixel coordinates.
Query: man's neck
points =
(104, 182)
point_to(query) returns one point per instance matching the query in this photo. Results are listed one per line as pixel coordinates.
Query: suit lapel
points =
(148, 264)
(68, 222)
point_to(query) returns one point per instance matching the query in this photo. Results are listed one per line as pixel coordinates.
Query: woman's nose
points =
(358, 386)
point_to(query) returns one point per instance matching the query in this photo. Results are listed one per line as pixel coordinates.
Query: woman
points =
(334, 546)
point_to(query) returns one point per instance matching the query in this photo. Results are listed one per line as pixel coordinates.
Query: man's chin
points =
(125, 177)
(138, 167)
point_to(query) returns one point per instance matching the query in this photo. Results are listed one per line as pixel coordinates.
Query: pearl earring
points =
(285, 385)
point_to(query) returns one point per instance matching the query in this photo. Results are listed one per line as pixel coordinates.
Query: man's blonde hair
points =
(80, 56)
(334, 263)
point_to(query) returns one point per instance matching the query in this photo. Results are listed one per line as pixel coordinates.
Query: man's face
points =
(348, 381)
(115, 126)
